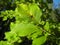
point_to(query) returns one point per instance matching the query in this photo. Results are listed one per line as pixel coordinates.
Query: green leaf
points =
(39, 41)
(5, 43)
(46, 27)
(22, 9)
(24, 29)
(11, 37)
(35, 11)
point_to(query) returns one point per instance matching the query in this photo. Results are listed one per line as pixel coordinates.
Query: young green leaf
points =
(46, 27)
(39, 41)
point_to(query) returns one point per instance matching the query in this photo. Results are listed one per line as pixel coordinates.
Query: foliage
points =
(32, 20)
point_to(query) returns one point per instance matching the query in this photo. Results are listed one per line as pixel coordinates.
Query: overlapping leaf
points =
(26, 10)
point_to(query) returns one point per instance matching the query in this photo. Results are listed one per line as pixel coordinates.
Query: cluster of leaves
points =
(31, 19)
